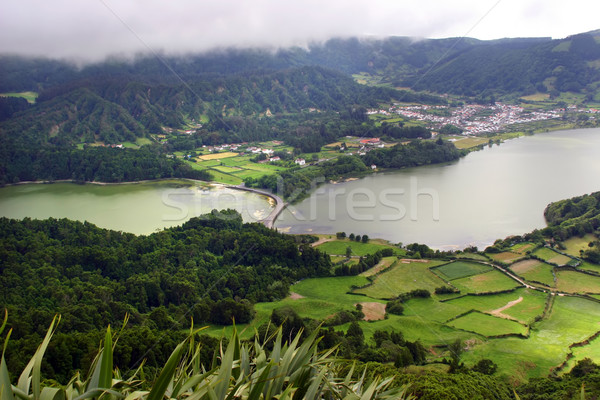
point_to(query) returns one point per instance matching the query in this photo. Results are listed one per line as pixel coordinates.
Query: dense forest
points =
(113, 110)
(92, 164)
(212, 269)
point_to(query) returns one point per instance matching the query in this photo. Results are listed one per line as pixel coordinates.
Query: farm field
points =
(217, 156)
(506, 256)
(338, 247)
(385, 262)
(575, 244)
(403, 277)
(577, 282)
(571, 320)
(433, 310)
(551, 256)
(523, 248)
(585, 265)
(460, 269)
(516, 312)
(534, 271)
(492, 281)
(471, 256)
(31, 97)
(487, 325)
(525, 304)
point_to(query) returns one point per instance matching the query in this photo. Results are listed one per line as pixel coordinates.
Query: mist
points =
(91, 30)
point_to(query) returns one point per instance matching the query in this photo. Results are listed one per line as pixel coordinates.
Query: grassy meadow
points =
(526, 331)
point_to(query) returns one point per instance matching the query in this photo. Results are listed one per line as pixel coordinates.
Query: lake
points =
(140, 208)
(489, 194)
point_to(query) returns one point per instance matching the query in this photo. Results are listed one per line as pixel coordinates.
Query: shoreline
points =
(280, 204)
(268, 221)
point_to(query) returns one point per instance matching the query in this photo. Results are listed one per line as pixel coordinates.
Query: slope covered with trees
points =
(212, 269)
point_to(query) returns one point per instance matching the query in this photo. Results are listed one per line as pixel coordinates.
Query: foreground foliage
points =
(246, 371)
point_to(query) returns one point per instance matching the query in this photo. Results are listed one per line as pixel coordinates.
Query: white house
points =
(300, 161)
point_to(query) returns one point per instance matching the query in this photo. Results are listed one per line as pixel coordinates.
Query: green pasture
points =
(505, 257)
(591, 350)
(523, 248)
(472, 256)
(225, 169)
(225, 178)
(534, 270)
(431, 309)
(415, 327)
(572, 320)
(460, 269)
(31, 97)
(577, 282)
(269, 168)
(385, 262)
(576, 243)
(551, 256)
(322, 297)
(141, 141)
(491, 281)
(404, 277)
(527, 303)
(487, 325)
(248, 173)
(588, 266)
(338, 247)
(469, 142)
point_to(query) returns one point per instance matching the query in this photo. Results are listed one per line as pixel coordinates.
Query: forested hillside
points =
(115, 110)
(212, 269)
(504, 67)
(520, 65)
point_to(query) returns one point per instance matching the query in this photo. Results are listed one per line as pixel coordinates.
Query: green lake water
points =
(138, 208)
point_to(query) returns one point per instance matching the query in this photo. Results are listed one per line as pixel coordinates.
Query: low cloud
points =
(92, 29)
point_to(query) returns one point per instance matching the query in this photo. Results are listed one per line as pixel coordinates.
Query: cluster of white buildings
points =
(472, 118)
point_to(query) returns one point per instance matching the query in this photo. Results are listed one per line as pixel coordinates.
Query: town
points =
(474, 119)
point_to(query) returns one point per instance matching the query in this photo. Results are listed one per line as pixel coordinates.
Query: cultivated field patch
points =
(401, 278)
(487, 325)
(534, 270)
(218, 156)
(522, 248)
(385, 262)
(552, 256)
(460, 269)
(506, 256)
(492, 281)
(373, 311)
(338, 247)
(577, 282)
(532, 304)
(575, 244)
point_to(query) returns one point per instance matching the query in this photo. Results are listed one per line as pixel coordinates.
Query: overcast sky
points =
(93, 29)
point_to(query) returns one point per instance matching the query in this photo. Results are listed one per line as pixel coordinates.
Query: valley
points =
(428, 209)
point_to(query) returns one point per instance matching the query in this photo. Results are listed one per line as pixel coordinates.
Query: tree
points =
(365, 238)
(455, 349)
(348, 252)
(485, 366)
(340, 235)
(351, 237)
